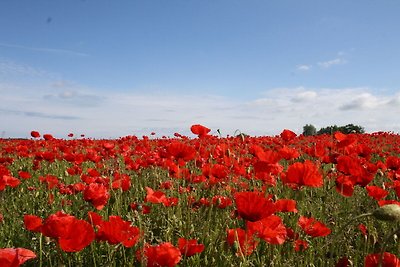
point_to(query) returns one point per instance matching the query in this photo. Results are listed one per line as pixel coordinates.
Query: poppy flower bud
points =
(390, 212)
(236, 246)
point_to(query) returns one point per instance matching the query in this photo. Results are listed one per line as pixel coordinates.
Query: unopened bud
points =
(236, 245)
(390, 212)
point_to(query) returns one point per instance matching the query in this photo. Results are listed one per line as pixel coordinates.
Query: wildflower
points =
(313, 227)
(35, 134)
(97, 194)
(243, 241)
(14, 257)
(388, 260)
(162, 255)
(252, 206)
(189, 247)
(71, 233)
(287, 135)
(116, 230)
(305, 173)
(199, 130)
(376, 192)
(33, 223)
(271, 229)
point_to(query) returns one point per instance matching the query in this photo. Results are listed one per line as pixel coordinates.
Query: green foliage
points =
(347, 129)
(309, 130)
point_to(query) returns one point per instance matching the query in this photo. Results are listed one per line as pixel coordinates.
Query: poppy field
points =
(203, 200)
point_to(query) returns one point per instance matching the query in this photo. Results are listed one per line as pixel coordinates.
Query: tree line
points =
(310, 129)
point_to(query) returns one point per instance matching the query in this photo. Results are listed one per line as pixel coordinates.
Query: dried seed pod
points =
(390, 212)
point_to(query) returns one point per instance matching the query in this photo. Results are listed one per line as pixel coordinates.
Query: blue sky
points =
(115, 68)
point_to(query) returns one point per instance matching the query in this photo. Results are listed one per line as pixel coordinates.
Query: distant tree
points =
(309, 129)
(328, 130)
(351, 128)
(347, 129)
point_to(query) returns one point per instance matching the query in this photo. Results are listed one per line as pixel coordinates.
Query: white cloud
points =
(304, 96)
(78, 109)
(45, 49)
(12, 68)
(330, 63)
(304, 67)
(367, 101)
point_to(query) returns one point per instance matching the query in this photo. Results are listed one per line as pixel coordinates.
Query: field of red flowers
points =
(287, 200)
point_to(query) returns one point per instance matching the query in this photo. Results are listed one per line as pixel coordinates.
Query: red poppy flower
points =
(154, 196)
(271, 229)
(288, 153)
(253, 206)
(94, 218)
(97, 194)
(162, 255)
(388, 260)
(78, 236)
(356, 169)
(376, 192)
(363, 229)
(14, 257)
(285, 205)
(300, 245)
(306, 173)
(189, 247)
(242, 240)
(48, 137)
(199, 130)
(144, 209)
(219, 171)
(6, 180)
(122, 181)
(51, 181)
(35, 134)
(24, 175)
(343, 262)
(393, 162)
(181, 151)
(72, 234)
(116, 230)
(345, 140)
(221, 201)
(345, 185)
(33, 223)
(287, 135)
(312, 227)
(269, 156)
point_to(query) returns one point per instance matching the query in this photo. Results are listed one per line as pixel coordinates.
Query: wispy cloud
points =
(339, 60)
(304, 67)
(366, 101)
(35, 114)
(45, 50)
(330, 63)
(75, 98)
(119, 114)
(13, 68)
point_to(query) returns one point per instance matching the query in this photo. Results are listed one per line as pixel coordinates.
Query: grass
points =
(207, 224)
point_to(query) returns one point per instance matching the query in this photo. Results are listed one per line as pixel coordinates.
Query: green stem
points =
(384, 245)
(347, 224)
(40, 250)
